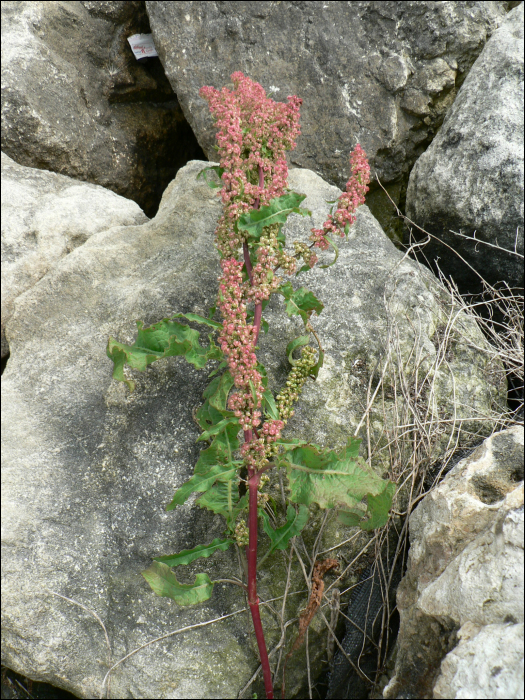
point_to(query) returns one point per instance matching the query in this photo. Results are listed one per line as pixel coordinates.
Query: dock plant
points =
(241, 417)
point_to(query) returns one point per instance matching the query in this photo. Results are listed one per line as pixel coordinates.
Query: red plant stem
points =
(253, 490)
(253, 600)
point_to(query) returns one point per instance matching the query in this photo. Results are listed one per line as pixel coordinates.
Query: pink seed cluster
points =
(256, 452)
(353, 197)
(254, 132)
(237, 341)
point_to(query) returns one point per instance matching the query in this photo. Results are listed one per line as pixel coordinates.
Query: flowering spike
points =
(353, 197)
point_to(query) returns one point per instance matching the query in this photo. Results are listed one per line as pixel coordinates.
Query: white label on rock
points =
(142, 45)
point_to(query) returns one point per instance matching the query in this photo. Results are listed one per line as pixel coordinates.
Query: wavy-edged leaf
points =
(276, 212)
(188, 555)
(219, 398)
(203, 175)
(282, 535)
(166, 338)
(378, 508)
(214, 464)
(164, 583)
(330, 479)
(224, 499)
(214, 409)
(294, 344)
(300, 302)
(376, 512)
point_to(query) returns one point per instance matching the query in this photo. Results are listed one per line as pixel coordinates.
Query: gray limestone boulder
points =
(88, 468)
(382, 74)
(461, 601)
(470, 179)
(487, 663)
(44, 217)
(76, 101)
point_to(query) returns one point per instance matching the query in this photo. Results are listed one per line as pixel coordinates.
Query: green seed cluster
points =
(262, 499)
(301, 250)
(294, 386)
(242, 535)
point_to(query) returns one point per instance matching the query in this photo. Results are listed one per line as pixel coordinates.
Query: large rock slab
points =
(88, 468)
(44, 217)
(470, 179)
(461, 601)
(76, 101)
(382, 74)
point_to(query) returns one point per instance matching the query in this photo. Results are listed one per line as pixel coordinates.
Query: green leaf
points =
(315, 369)
(214, 464)
(255, 220)
(290, 443)
(207, 416)
(203, 175)
(254, 394)
(219, 397)
(323, 267)
(270, 405)
(200, 319)
(282, 535)
(351, 518)
(164, 583)
(219, 427)
(219, 368)
(203, 482)
(214, 409)
(166, 338)
(300, 302)
(379, 507)
(224, 499)
(374, 515)
(189, 555)
(330, 479)
(294, 344)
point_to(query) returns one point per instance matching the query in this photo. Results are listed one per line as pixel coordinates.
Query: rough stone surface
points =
(465, 581)
(44, 217)
(470, 179)
(88, 468)
(379, 73)
(487, 663)
(76, 101)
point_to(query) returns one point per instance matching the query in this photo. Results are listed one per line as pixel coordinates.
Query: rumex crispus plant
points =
(254, 133)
